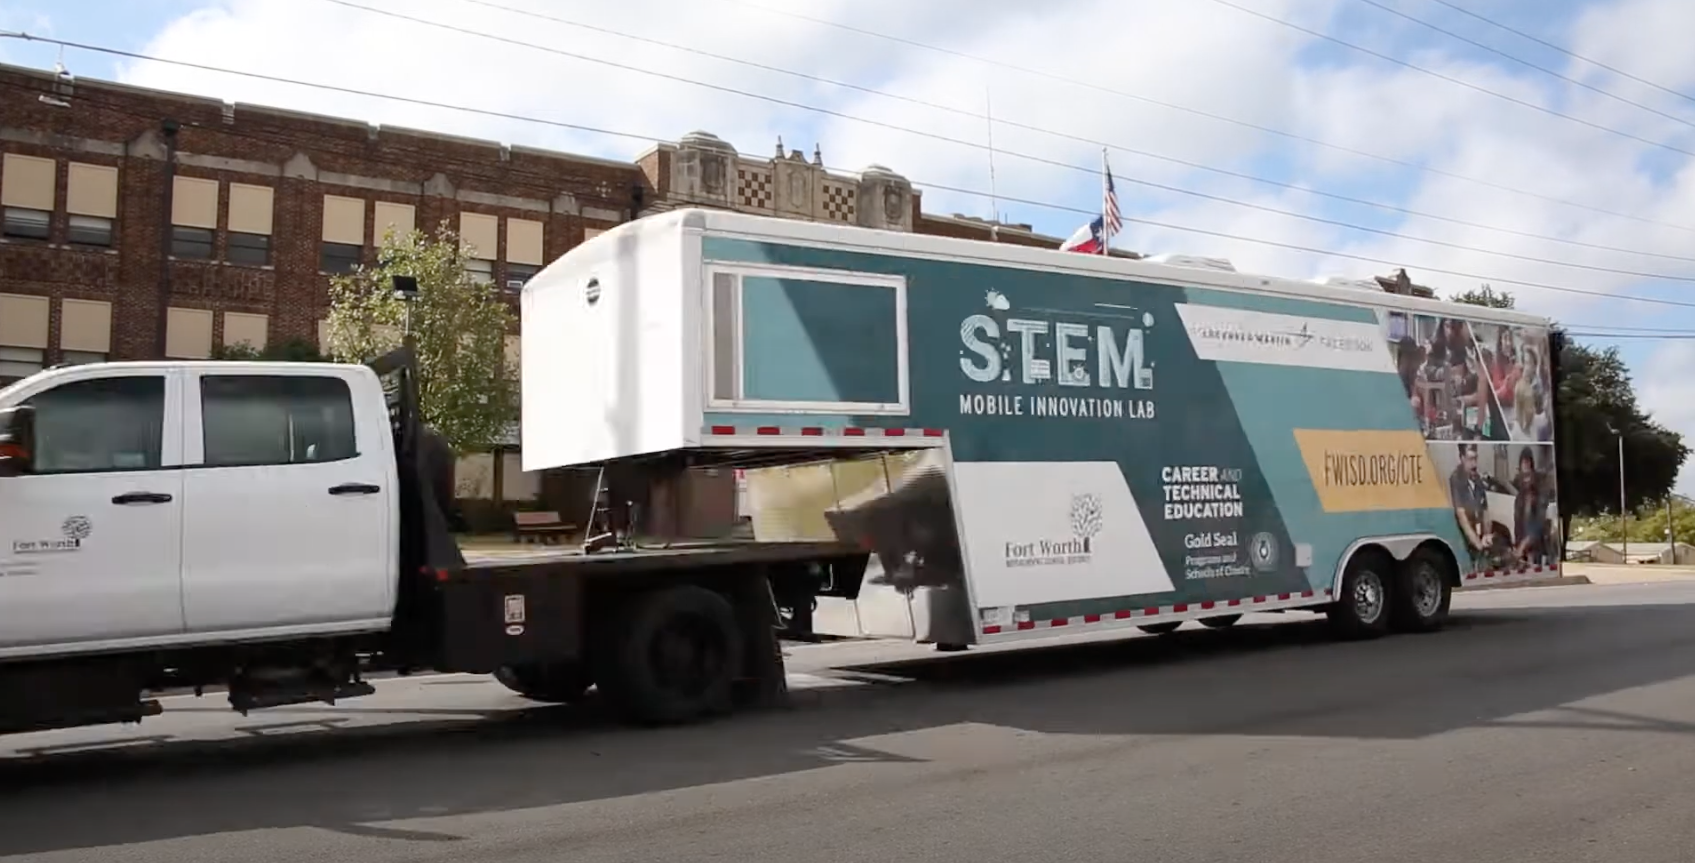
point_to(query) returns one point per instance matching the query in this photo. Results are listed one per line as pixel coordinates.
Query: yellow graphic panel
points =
(1371, 471)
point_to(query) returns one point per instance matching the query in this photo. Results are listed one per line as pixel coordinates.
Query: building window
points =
(90, 231)
(339, 257)
(91, 199)
(480, 271)
(253, 249)
(81, 358)
(192, 243)
(27, 224)
(518, 275)
(19, 363)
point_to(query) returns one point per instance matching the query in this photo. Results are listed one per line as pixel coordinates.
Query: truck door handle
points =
(354, 488)
(141, 497)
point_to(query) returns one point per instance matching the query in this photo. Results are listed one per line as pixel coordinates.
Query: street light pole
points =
(1623, 513)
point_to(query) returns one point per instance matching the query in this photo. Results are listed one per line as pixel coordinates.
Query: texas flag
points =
(1089, 239)
(1094, 238)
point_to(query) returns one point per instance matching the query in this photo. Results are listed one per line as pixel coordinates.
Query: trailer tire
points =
(1164, 627)
(1361, 609)
(671, 656)
(1223, 621)
(555, 683)
(1423, 591)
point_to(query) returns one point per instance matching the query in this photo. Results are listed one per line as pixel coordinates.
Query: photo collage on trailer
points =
(1484, 401)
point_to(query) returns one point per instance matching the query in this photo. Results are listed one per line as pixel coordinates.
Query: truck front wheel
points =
(672, 655)
(559, 683)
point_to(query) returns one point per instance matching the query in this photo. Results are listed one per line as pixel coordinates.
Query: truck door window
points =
(103, 424)
(275, 419)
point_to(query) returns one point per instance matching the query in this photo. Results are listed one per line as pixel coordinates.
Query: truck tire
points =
(1164, 627)
(557, 683)
(673, 655)
(1422, 592)
(1361, 609)
(1223, 621)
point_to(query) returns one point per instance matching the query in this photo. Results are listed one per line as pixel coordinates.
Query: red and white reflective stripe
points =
(818, 431)
(1512, 573)
(1184, 608)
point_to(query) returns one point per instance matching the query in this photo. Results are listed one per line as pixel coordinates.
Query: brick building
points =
(140, 224)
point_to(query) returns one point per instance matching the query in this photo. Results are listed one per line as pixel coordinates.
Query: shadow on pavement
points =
(1278, 679)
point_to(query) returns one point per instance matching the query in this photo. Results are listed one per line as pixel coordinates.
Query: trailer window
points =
(275, 419)
(808, 341)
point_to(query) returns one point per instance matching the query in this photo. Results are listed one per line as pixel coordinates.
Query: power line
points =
(1566, 51)
(351, 91)
(1670, 337)
(283, 138)
(1078, 138)
(1327, 252)
(1526, 63)
(1494, 279)
(1244, 124)
(1453, 80)
(454, 28)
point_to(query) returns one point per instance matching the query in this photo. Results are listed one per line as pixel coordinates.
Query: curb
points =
(1562, 581)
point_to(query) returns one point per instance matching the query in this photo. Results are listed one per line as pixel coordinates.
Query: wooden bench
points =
(543, 527)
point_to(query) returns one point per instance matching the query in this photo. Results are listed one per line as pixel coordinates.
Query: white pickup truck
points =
(269, 528)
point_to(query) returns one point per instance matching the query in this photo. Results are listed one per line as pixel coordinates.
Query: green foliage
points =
(1647, 523)
(1596, 404)
(466, 389)
(1485, 296)
(290, 351)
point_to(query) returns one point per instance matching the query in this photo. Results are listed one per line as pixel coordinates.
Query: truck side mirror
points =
(17, 441)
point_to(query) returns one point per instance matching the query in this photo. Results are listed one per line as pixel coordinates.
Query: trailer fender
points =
(1397, 546)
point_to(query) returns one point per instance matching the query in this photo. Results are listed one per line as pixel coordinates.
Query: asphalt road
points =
(1551, 724)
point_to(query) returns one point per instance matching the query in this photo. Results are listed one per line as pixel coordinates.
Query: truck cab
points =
(151, 505)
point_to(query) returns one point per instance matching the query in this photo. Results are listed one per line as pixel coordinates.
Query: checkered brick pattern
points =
(839, 202)
(754, 188)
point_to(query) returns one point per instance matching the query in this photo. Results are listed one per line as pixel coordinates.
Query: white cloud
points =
(1195, 53)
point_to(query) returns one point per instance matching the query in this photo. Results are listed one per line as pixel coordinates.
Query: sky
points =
(1229, 134)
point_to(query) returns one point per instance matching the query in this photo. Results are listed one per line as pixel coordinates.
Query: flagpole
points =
(1106, 177)
(988, 117)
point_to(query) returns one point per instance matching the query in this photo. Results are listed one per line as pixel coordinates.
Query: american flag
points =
(1114, 222)
(1095, 238)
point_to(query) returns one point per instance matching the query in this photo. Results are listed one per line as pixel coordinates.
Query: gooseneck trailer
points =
(955, 442)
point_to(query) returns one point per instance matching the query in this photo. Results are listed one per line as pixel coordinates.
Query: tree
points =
(1647, 523)
(467, 390)
(295, 350)
(1485, 296)
(1595, 404)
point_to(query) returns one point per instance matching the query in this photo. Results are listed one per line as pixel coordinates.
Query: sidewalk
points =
(1604, 573)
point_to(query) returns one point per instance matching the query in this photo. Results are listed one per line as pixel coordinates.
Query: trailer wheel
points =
(1361, 609)
(1423, 591)
(1222, 621)
(673, 656)
(1164, 627)
(558, 683)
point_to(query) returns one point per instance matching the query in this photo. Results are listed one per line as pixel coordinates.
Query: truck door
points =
(289, 504)
(91, 538)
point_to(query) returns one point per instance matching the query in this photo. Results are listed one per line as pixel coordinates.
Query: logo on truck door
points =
(72, 533)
